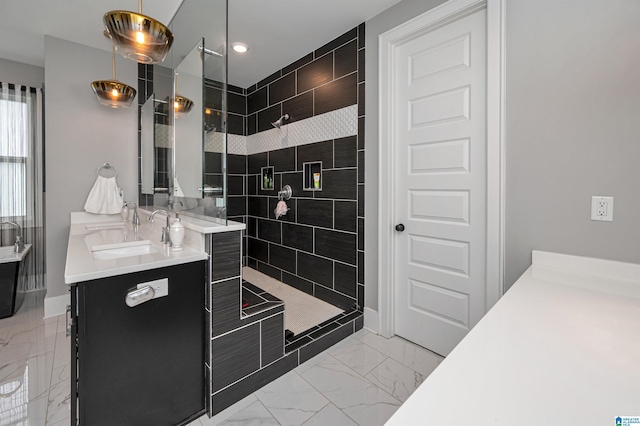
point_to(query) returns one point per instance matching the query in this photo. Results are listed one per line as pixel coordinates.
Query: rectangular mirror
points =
(188, 125)
(147, 147)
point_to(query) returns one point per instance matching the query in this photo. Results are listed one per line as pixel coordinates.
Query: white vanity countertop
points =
(562, 346)
(82, 265)
(7, 255)
(208, 226)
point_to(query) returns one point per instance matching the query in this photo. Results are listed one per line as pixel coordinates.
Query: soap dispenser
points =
(176, 232)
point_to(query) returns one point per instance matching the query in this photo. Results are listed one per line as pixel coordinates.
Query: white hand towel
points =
(104, 197)
(281, 209)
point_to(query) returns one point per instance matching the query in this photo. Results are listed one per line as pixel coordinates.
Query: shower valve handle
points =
(399, 227)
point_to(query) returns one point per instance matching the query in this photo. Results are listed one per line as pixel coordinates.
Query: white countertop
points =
(562, 346)
(82, 266)
(7, 255)
(211, 225)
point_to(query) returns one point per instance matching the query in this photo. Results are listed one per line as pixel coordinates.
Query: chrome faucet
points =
(135, 219)
(166, 239)
(18, 246)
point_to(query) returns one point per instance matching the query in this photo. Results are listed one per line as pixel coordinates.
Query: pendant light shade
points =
(113, 93)
(138, 37)
(181, 105)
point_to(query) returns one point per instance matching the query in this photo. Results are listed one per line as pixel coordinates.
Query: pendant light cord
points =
(140, 7)
(113, 61)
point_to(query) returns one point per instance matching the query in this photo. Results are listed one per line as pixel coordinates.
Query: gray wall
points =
(19, 73)
(573, 128)
(81, 135)
(390, 18)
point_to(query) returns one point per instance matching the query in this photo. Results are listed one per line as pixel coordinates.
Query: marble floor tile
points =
(398, 380)
(254, 415)
(406, 353)
(360, 399)
(358, 356)
(59, 406)
(291, 400)
(330, 415)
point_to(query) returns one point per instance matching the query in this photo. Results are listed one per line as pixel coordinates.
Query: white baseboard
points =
(57, 305)
(371, 320)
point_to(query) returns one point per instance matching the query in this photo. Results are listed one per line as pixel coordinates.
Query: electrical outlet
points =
(602, 208)
(160, 287)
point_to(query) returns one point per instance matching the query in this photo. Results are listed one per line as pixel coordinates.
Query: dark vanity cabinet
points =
(140, 365)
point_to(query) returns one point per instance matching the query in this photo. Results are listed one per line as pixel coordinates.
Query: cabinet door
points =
(142, 365)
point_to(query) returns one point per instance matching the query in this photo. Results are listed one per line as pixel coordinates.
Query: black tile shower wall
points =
(236, 106)
(318, 246)
(321, 81)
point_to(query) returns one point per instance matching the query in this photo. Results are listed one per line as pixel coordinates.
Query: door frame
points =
(389, 41)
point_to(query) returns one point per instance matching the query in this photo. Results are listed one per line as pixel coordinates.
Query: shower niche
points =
(312, 176)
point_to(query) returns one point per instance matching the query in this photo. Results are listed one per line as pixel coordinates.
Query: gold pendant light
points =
(138, 37)
(181, 105)
(113, 93)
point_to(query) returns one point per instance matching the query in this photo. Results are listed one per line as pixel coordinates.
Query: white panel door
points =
(440, 186)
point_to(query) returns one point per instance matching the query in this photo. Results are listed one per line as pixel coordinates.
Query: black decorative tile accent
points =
(346, 152)
(235, 185)
(297, 344)
(257, 101)
(225, 309)
(270, 270)
(268, 116)
(236, 206)
(225, 259)
(360, 200)
(360, 267)
(315, 268)
(269, 230)
(338, 41)
(319, 151)
(335, 245)
(318, 72)
(236, 103)
(258, 206)
(345, 279)
(326, 329)
(252, 184)
(361, 167)
(299, 108)
(283, 160)
(353, 315)
(272, 338)
(309, 351)
(273, 77)
(360, 296)
(297, 236)
(235, 124)
(256, 162)
(345, 215)
(338, 184)
(361, 96)
(360, 234)
(283, 258)
(235, 355)
(258, 249)
(297, 64)
(335, 95)
(358, 324)
(315, 212)
(283, 88)
(361, 35)
(297, 282)
(236, 164)
(255, 381)
(361, 67)
(346, 59)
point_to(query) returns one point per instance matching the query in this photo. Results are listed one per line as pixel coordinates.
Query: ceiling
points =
(277, 31)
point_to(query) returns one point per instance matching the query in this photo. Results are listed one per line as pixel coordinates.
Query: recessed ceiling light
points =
(240, 47)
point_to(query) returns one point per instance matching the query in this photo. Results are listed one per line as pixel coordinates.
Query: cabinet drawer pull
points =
(139, 295)
(69, 320)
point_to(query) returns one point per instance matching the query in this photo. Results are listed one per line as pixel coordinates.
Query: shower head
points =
(280, 121)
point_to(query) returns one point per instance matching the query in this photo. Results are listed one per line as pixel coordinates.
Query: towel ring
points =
(107, 166)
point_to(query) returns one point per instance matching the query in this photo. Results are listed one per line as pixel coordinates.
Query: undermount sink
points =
(120, 250)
